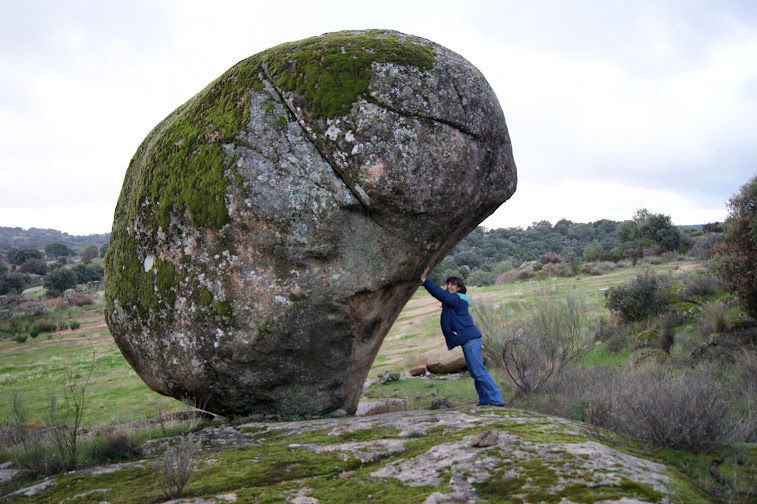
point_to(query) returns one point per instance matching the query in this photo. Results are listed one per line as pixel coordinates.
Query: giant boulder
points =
(270, 230)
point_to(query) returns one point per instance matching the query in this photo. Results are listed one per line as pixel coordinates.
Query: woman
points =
(458, 329)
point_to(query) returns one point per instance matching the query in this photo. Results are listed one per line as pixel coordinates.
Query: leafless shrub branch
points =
(175, 468)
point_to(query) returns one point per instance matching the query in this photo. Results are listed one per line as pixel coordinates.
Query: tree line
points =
(485, 254)
(37, 238)
(480, 258)
(28, 267)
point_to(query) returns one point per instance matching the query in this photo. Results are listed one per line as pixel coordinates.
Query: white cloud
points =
(652, 104)
(581, 201)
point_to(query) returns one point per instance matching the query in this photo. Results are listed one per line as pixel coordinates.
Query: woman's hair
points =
(457, 281)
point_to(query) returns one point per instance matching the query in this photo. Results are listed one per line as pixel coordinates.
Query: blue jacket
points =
(457, 323)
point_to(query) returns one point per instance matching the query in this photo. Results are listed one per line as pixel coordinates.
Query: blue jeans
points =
(488, 392)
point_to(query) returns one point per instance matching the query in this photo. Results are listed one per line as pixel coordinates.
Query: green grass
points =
(418, 395)
(37, 370)
(115, 394)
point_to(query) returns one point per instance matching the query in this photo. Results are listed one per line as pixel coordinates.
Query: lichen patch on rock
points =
(415, 456)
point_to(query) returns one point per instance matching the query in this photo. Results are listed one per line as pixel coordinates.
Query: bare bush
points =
(65, 424)
(56, 302)
(31, 452)
(506, 277)
(617, 341)
(112, 446)
(700, 285)
(175, 468)
(687, 410)
(704, 247)
(667, 323)
(716, 313)
(559, 269)
(705, 328)
(746, 376)
(591, 268)
(552, 335)
(570, 394)
(80, 299)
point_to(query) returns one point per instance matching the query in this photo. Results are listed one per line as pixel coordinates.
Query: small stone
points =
(388, 377)
(486, 438)
(417, 371)
(440, 402)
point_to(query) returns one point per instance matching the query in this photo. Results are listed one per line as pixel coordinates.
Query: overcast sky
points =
(612, 106)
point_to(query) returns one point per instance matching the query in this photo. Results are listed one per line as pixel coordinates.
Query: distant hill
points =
(16, 237)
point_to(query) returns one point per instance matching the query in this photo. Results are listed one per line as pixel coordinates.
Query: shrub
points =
(56, 302)
(12, 283)
(506, 277)
(87, 272)
(80, 299)
(704, 247)
(716, 313)
(45, 327)
(593, 251)
(74, 325)
(746, 377)
(700, 285)
(176, 467)
(658, 406)
(736, 260)
(20, 256)
(620, 336)
(21, 338)
(559, 270)
(31, 308)
(88, 253)
(590, 269)
(36, 266)
(112, 447)
(686, 410)
(640, 298)
(13, 328)
(30, 452)
(667, 323)
(65, 423)
(551, 336)
(60, 279)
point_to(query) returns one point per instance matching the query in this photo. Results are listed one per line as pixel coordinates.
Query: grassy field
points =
(38, 368)
(417, 331)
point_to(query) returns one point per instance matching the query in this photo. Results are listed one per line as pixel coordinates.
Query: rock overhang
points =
(287, 209)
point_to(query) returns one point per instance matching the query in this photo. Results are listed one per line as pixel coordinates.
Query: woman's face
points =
(452, 287)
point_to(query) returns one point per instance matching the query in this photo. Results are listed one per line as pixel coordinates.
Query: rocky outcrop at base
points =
(469, 454)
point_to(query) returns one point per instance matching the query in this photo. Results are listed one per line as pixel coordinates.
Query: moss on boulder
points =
(270, 229)
(413, 456)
